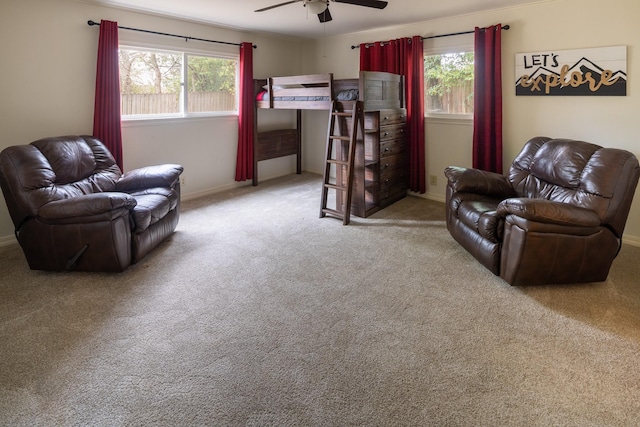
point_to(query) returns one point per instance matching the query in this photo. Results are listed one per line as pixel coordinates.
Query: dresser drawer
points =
(392, 193)
(393, 172)
(389, 117)
(393, 163)
(392, 146)
(392, 178)
(392, 132)
(377, 119)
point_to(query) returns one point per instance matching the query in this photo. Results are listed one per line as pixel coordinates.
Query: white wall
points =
(544, 26)
(48, 78)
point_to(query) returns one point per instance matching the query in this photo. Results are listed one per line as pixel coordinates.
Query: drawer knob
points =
(386, 133)
(386, 149)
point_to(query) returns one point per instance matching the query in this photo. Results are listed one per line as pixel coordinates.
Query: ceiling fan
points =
(321, 7)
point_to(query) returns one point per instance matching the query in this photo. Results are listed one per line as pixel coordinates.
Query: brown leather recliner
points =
(556, 217)
(73, 208)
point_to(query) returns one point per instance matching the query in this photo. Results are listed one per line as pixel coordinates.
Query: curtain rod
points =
(504, 27)
(186, 38)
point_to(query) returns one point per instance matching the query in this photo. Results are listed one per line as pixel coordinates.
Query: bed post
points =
(299, 141)
(254, 181)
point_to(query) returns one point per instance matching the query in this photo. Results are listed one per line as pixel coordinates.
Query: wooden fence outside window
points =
(169, 103)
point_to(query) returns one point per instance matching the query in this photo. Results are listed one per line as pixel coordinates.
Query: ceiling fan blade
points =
(277, 5)
(325, 16)
(377, 4)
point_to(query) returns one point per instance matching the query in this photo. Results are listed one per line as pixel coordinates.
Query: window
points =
(162, 83)
(448, 84)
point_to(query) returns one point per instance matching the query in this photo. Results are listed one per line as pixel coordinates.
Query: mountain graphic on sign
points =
(587, 69)
(584, 65)
(539, 72)
(619, 74)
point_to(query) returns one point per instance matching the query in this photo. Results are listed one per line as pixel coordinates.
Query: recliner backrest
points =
(578, 173)
(82, 161)
(52, 169)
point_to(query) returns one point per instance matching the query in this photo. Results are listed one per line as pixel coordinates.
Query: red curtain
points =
(106, 113)
(406, 57)
(244, 159)
(487, 92)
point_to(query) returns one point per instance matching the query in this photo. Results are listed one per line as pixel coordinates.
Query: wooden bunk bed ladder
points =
(339, 159)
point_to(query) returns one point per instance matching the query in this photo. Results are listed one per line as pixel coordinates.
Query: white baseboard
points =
(430, 196)
(631, 240)
(8, 240)
(197, 194)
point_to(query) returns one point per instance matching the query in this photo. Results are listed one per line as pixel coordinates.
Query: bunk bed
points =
(378, 91)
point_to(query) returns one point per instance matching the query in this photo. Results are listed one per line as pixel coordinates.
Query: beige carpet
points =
(258, 313)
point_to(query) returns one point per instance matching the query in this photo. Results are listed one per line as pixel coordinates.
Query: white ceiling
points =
(293, 19)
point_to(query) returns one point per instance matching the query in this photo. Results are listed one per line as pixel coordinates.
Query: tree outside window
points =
(211, 84)
(448, 83)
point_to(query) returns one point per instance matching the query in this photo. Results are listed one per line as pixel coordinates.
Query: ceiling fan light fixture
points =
(317, 6)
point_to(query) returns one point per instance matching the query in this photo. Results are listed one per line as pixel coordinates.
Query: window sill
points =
(169, 119)
(450, 119)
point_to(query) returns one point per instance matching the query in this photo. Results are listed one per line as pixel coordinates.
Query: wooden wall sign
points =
(578, 72)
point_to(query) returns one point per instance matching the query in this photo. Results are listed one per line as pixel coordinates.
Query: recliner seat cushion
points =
(149, 209)
(479, 214)
(169, 193)
(152, 205)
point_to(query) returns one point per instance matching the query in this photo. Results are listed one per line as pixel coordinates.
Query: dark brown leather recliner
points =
(73, 208)
(556, 217)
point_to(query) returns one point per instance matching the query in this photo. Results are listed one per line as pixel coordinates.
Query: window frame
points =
(448, 117)
(183, 102)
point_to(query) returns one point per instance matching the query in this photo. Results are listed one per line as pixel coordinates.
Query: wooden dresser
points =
(381, 162)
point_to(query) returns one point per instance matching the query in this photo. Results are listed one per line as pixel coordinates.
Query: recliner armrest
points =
(477, 181)
(550, 212)
(150, 176)
(88, 205)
